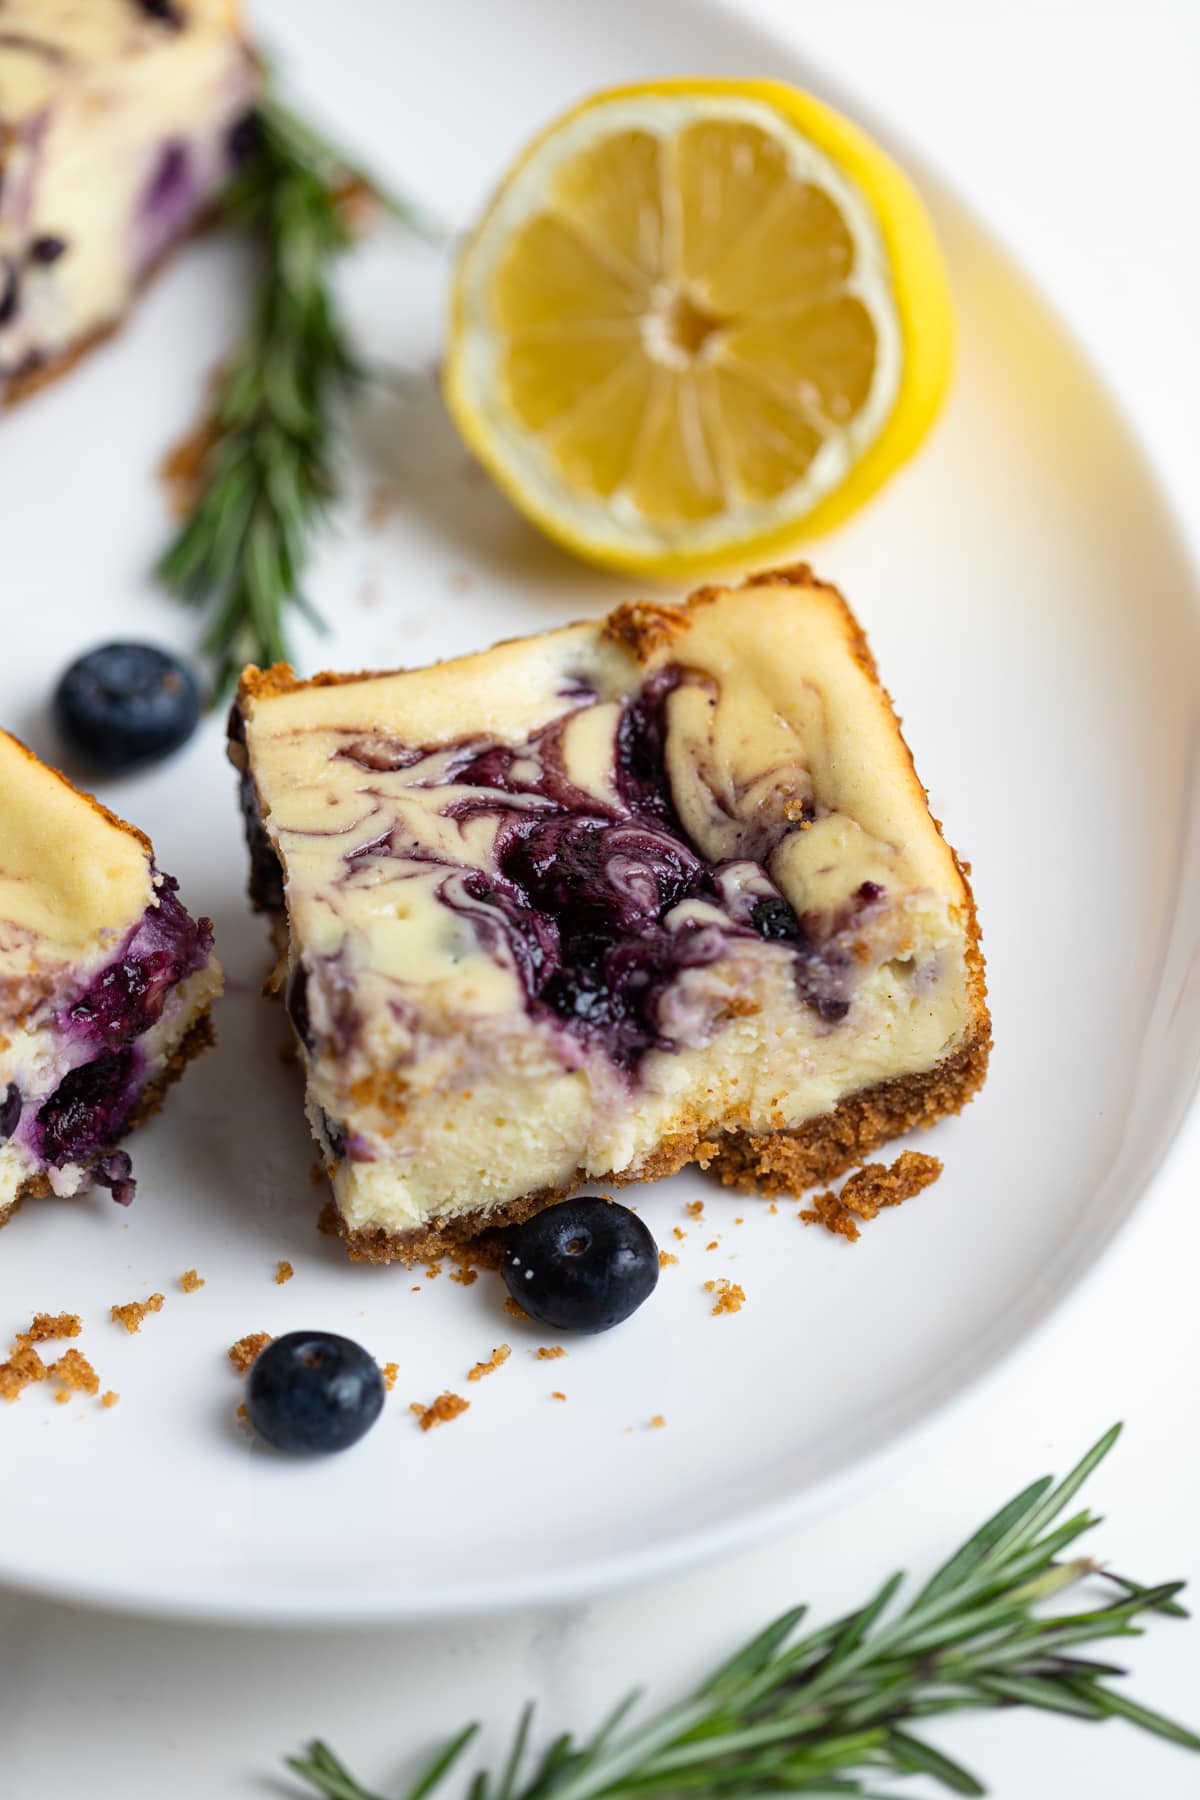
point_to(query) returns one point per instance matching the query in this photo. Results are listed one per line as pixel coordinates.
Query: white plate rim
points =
(754, 1525)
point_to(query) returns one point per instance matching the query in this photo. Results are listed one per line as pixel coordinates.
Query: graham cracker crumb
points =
(390, 1372)
(109, 1399)
(23, 1368)
(499, 1355)
(46, 1327)
(433, 1271)
(739, 1221)
(657, 1422)
(283, 1272)
(242, 1415)
(557, 1395)
(869, 1190)
(730, 1298)
(189, 1281)
(134, 1311)
(773, 1208)
(665, 1258)
(715, 1245)
(446, 1407)
(62, 1397)
(464, 1277)
(681, 1235)
(548, 1352)
(75, 1374)
(515, 1311)
(244, 1353)
(694, 1209)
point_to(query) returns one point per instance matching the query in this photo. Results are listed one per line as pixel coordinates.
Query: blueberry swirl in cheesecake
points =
(588, 904)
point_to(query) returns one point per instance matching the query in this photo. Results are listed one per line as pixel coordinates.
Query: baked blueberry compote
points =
(583, 1265)
(312, 1392)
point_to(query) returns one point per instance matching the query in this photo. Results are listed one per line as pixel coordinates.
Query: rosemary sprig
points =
(830, 1712)
(267, 476)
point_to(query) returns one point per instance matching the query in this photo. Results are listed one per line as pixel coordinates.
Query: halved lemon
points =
(699, 321)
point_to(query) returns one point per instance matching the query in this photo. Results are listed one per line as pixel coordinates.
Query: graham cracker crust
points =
(200, 1035)
(767, 1164)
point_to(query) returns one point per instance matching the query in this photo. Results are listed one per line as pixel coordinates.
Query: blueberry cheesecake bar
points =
(105, 985)
(591, 905)
(120, 121)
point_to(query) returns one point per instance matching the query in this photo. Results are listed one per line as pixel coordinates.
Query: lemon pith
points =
(699, 321)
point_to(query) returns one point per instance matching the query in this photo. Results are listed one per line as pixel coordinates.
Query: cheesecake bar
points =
(658, 889)
(120, 122)
(105, 985)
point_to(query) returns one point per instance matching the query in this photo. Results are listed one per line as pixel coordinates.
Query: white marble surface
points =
(1074, 129)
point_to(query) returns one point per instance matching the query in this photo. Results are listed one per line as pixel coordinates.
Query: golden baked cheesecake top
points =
(598, 854)
(73, 877)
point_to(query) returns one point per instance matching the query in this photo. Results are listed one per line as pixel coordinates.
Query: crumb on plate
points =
(134, 1311)
(869, 1190)
(730, 1298)
(23, 1368)
(247, 1349)
(109, 1399)
(548, 1352)
(513, 1310)
(390, 1372)
(447, 1406)
(189, 1281)
(665, 1258)
(557, 1395)
(75, 1375)
(44, 1328)
(499, 1355)
(283, 1272)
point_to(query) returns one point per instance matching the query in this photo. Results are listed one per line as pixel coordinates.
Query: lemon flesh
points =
(699, 320)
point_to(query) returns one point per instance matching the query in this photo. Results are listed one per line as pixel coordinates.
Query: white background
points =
(1073, 127)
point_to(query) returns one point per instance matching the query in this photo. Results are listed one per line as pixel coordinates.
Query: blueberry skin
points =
(312, 1392)
(583, 1265)
(122, 706)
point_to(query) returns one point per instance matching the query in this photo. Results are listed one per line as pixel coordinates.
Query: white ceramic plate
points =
(1036, 618)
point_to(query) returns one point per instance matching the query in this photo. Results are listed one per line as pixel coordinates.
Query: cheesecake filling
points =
(73, 1069)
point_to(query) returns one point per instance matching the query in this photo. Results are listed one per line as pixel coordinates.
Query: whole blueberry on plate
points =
(582, 1265)
(312, 1392)
(122, 706)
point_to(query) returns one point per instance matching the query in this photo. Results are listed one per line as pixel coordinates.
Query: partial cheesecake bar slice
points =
(105, 985)
(595, 904)
(120, 122)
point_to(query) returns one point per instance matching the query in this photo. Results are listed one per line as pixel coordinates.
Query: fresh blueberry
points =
(124, 705)
(311, 1392)
(582, 1265)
